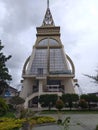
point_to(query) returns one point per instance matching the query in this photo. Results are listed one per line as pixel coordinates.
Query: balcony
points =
(53, 88)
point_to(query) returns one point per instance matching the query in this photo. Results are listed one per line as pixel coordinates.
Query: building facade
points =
(9, 93)
(49, 70)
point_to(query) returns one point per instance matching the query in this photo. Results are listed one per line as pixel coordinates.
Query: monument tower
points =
(48, 70)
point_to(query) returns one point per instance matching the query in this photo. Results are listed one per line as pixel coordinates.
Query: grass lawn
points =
(70, 111)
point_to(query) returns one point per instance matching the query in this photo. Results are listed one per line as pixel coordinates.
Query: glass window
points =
(48, 41)
(57, 61)
(53, 82)
(40, 71)
(39, 64)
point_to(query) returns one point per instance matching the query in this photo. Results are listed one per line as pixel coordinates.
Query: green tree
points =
(48, 100)
(69, 99)
(90, 98)
(16, 100)
(4, 73)
(93, 98)
(84, 96)
(83, 104)
(3, 107)
(75, 97)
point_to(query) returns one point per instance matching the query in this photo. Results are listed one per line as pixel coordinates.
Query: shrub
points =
(3, 107)
(11, 108)
(24, 113)
(65, 123)
(15, 124)
(16, 100)
(44, 119)
(59, 104)
(10, 123)
(83, 103)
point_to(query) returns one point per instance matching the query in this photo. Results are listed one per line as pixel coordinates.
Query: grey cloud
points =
(17, 32)
(21, 15)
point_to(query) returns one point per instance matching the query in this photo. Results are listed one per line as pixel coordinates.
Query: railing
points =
(61, 72)
(59, 89)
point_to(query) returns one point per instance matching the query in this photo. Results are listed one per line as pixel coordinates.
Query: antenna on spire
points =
(47, 3)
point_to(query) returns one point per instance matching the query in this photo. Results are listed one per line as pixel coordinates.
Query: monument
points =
(48, 70)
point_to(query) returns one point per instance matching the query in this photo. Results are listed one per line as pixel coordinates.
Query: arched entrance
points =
(33, 102)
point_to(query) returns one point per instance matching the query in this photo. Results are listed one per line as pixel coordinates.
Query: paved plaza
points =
(78, 122)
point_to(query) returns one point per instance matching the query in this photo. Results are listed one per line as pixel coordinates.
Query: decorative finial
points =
(48, 20)
(47, 3)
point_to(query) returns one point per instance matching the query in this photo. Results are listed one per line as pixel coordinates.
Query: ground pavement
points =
(78, 122)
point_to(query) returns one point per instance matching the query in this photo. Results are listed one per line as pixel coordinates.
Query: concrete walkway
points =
(83, 121)
(78, 122)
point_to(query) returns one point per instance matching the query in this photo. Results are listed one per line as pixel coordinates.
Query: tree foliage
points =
(59, 104)
(69, 99)
(16, 100)
(3, 106)
(83, 104)
(48, 100)
(89, 98)
(4, 72)
(94, 78)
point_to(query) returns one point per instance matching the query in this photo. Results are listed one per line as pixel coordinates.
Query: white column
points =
(26, 103)
(40, 87)
(40, 90)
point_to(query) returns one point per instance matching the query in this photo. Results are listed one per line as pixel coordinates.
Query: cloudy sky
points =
(78, 20)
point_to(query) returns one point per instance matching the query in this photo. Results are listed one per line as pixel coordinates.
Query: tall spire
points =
(48, 20)
(47, 4)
